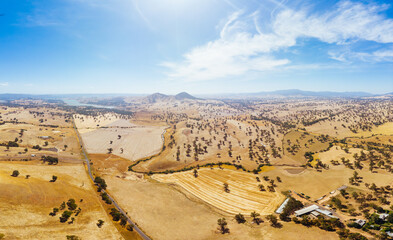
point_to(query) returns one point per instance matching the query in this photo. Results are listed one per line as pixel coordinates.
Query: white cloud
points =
(243, 47)
(384, 55)
(4, 84)
(235, 53)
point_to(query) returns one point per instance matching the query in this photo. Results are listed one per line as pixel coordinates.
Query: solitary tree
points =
(255, 217)
(54, 178)
(100, 223)
(15, 173)
(240, 218)
(72, 237)
(226, 187)
(222, 224)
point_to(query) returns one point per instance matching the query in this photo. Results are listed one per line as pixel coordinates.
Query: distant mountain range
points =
(295, 93)
(156, 97)
(159, 97)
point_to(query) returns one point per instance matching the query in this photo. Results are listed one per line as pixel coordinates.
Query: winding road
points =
(137, 229)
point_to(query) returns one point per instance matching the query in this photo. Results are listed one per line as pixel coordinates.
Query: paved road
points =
(141, 233)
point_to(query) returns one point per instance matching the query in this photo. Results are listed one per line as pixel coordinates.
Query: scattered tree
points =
(222, 225)
(54, 178)
(240, 218)
(15, 173)
(100, 223)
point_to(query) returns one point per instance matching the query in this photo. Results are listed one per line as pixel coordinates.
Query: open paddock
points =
(244, 196)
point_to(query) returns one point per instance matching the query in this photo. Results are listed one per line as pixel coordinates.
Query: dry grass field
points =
(244, 196)
(316, 184)
(297, 143)
(384, 129)
(191, 143)
(167, 212)
(337, 153)
(120, 135)
(50, 129)
(25, 204)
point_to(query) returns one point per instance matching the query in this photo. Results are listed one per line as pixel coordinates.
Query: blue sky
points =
(198, 46)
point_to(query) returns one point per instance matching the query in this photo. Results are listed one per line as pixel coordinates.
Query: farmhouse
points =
(360, 222)
(315, 211)
(306, 210)
(383, 216)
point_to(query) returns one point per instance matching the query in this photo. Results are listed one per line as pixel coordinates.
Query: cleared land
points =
(122, 138)
(243, 197)
(169, 213)
(25, 204)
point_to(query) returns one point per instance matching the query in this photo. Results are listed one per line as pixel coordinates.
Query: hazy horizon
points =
(191, 93)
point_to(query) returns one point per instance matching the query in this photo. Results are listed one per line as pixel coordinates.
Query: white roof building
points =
(342, 187)
(306, 210)
(360, 222)
(282, 206)
(314, 210)
(383, 216)
(315, 213)
(326, 213)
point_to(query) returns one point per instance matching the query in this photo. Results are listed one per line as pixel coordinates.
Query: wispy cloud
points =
(242, 46)
(41, 18)
(141, 14)
(347, 56)
(4, 84)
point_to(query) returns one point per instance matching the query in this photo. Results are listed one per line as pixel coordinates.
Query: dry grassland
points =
(336, 153)
(316, 184)
(384, 129)
(126, 139)
(301, 142)
(135, 141)
(213, 139)
(167, 213)
(25, 204)
(244, 196)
